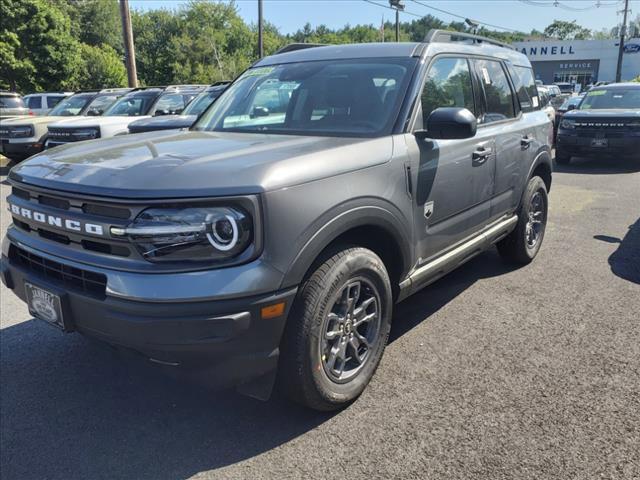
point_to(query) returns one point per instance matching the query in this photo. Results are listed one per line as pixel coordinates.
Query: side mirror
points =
(161, 112)
(94, 112)
(260, 112)
(571, 107)
(447, 123)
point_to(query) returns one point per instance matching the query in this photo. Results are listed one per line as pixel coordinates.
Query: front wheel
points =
(522, 245)
(337, 332)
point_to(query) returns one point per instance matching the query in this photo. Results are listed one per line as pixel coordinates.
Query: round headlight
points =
(224, 232)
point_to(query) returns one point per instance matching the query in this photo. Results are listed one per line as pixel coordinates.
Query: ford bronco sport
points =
(275, 236)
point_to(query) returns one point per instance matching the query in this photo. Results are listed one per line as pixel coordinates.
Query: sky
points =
(523, 15)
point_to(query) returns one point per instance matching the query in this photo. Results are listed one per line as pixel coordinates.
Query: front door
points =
(454, 178)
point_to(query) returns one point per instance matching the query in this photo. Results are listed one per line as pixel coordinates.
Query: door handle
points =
(480, 155)
(526, 141)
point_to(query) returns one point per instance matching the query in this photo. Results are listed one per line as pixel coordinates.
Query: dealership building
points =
(581, 61)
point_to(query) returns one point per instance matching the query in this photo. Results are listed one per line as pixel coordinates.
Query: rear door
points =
(502, 120)
(454, 180)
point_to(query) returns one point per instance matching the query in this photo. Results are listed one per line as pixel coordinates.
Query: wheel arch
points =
(370, 227)
(542, 167)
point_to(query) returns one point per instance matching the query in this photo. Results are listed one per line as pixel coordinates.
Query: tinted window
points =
(448, 84)
(100, 104)
(497, 91)
(611, 98)
(169, 104)
(131, 106)
(70, 106)
(337, 97)
(34, 102)
(525, 88)
(53, 101)
(201, 102)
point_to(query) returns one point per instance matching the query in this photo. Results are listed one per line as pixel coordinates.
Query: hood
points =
(119, 120)
(163, 122)
(174, 164)
(31, 120)
(604, 113)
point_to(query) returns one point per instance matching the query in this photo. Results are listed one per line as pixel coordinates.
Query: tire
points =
(310, 361)
(518, 247)
(562, 158)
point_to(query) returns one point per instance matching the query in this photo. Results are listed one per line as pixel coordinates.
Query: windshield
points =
(70, 106)
(100, 104)
(11, 102)
(201, 102)
(337, 97)
(611, 99)
(131, 106)
(570, 101)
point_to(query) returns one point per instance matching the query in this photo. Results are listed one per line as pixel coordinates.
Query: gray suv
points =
(274, 237)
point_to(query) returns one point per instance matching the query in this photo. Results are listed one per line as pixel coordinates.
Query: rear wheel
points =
(522, 245)
(337, 331)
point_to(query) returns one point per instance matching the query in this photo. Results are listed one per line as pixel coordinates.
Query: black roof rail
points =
(292, 47)
(221, 82)
(446, 36)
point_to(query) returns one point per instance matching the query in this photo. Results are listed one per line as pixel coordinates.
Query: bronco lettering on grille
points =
(54, 221)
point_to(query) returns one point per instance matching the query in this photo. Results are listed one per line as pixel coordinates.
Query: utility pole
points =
(260, 41)
(623, 31)
(129, 50)
(397, 5)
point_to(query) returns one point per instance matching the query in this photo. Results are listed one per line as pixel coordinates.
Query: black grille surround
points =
(90, 283)
(68, 134)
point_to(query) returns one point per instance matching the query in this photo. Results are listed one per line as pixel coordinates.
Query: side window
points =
(448, 84)
(525, 88)
(34, 102)
(497, 91)
(53, 101)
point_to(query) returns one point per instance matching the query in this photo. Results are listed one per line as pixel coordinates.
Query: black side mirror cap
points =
(449, 123)
(571, 107)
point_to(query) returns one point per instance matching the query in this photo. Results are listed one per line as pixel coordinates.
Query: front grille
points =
(94, 284)
(62, 134)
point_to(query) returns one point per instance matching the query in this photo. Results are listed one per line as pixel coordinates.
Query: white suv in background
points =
(137, 104)
(42, 103)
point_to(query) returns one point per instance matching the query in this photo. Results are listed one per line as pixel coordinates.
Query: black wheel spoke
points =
(350, 330)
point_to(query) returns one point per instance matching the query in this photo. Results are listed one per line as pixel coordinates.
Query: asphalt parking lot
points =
(491, 373)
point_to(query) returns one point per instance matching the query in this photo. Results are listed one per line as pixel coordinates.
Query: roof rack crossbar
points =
(292, 47)
(447, 36)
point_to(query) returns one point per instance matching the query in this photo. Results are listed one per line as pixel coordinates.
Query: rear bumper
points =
(226, 339)
(628, 146)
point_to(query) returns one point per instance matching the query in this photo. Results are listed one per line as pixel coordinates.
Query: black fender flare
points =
(542, 157)
(340, 220)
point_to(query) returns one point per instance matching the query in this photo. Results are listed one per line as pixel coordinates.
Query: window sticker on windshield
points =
(255, 72)
(485, 74)
(535, 102)
(597, 93)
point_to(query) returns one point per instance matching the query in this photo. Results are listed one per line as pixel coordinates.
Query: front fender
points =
(374, 213)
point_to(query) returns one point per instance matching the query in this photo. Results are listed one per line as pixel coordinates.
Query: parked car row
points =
(104, 113)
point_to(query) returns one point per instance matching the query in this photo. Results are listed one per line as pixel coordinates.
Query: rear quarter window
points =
(526, 89)
(34, 102)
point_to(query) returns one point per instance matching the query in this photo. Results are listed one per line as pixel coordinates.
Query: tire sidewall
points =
(360, 263)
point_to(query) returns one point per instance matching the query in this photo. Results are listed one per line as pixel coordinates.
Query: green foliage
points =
(102, 67)
(37, 48)
(567, 31)
(97, 22)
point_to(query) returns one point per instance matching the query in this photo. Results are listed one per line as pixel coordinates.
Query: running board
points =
(444, 264)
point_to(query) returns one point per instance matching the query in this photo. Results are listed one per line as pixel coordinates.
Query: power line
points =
(388, 7)
(463, 17)
(558, 4)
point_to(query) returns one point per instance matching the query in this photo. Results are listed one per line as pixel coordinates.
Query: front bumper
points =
(571, 144)
(225, 338)
(22, 149)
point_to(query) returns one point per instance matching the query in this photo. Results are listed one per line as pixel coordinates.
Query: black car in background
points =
(606, 123)
(570, 103)
(184, 120)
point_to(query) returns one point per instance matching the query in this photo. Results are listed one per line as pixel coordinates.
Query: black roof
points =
(614, 86)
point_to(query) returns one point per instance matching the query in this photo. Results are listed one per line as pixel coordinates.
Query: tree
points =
(97, 22)
(102, 68)
(39, 51)
(567, 30)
